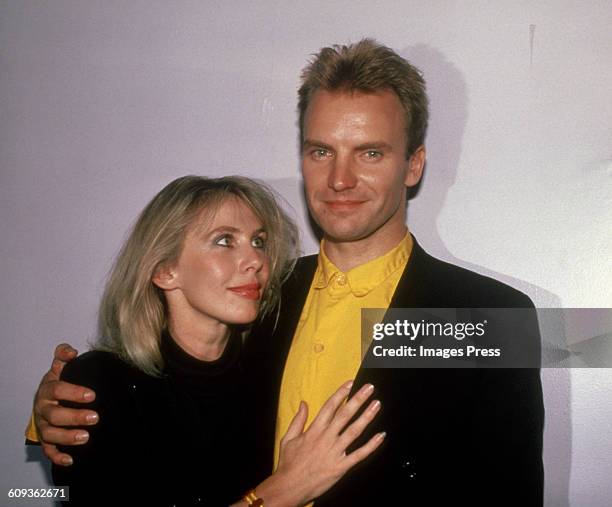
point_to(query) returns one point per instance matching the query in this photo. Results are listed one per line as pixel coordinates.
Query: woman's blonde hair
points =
(133, 312)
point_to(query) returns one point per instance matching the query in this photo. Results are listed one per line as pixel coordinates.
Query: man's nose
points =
(342, 175)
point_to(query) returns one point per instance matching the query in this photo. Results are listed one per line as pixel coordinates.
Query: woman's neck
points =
(205, 341)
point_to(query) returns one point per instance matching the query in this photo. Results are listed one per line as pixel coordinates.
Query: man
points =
(469, 436)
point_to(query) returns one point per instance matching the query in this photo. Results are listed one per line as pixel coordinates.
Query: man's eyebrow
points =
(314, 143)
(375, 145)
(372, 145)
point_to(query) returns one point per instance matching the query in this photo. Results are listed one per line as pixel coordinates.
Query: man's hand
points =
(49, 416)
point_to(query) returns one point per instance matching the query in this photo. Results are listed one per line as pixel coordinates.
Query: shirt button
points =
(341, 280)
(318, 347)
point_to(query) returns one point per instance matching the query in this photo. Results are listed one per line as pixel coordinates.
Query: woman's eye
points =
(258, 242)
(223, 241)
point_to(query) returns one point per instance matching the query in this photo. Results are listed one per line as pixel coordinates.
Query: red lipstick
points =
(249, 291)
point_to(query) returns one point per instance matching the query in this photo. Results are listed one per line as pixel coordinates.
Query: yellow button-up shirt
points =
(326, 350)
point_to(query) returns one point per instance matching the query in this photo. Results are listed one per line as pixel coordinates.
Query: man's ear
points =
(416, 164)
(165, 277)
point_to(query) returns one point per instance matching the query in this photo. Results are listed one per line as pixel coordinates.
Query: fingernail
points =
(82, 436)
(88, 395)
(66, 460)
(349, 384)
(91, 418)
(368, 388)
(375, 405)
(382, 435)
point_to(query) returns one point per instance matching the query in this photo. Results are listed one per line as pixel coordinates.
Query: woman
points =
(205, 258)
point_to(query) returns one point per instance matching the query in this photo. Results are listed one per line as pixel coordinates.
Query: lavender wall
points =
(104, 102)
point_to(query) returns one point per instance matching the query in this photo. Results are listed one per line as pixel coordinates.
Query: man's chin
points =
(343, 236)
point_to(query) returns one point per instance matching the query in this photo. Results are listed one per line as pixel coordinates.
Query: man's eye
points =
(320, 153)
(258, 242)
(373, 154)
(224, 240)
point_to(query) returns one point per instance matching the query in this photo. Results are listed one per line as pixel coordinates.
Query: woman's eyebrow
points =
(225, 228)
(217, 230)
(229, 228)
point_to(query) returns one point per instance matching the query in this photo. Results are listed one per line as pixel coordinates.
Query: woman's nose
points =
(253, 258)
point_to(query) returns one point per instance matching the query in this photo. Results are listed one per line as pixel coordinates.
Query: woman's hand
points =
(312, 461)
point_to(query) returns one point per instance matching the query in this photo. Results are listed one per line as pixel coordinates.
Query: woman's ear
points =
(165, 277)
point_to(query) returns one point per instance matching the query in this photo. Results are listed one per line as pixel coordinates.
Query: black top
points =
(175, 440)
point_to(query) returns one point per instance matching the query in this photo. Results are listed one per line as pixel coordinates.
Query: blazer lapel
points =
(412, 285)
(409, 293)
(294, 295)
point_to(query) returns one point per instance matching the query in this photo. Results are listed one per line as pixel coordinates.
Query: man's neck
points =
(347, 255)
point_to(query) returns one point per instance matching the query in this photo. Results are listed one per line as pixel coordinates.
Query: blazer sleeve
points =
(509, 424)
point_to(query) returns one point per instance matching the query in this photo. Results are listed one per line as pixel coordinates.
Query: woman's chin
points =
(244, 317)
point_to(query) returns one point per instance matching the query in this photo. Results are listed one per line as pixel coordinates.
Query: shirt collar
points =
(363, 279)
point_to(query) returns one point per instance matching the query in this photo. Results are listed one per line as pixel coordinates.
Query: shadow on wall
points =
(448, 97)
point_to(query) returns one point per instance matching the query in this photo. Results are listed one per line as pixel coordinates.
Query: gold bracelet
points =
(253, 500)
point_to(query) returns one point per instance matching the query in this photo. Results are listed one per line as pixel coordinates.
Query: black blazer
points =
(467, 436)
